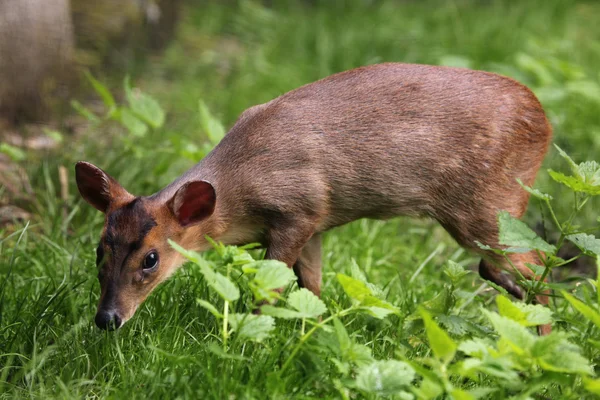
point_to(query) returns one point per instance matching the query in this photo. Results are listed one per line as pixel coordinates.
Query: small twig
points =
(63, 177)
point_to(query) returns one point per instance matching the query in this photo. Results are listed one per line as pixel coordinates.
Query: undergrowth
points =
(402, 313)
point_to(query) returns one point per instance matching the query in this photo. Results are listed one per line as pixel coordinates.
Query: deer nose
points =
(108, 320)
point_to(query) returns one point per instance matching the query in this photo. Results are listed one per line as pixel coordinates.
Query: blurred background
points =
(75, 74)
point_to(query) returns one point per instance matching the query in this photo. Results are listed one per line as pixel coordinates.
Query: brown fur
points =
(374, 142)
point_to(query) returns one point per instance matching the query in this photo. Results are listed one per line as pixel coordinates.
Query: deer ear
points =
(193, 202)
(97, 187)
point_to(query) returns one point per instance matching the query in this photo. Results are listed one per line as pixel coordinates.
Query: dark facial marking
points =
(99, 254)
(126, 229)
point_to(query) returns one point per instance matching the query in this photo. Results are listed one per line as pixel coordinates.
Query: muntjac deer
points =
(374, 142)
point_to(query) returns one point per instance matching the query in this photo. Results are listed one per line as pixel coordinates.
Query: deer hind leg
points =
(494, 271)
(480, 224)
(497, 275)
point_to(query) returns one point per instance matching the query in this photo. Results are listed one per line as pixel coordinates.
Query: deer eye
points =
(151, 260)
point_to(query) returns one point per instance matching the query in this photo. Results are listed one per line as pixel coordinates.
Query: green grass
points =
(234, 56)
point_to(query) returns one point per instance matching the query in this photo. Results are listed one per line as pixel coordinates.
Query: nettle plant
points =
(237, 269)
(510, 360)
(141, 115)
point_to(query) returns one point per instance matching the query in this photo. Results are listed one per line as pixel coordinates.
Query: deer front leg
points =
(308, 266)
(286, 243)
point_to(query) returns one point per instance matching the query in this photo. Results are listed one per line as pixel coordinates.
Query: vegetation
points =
(401, 314)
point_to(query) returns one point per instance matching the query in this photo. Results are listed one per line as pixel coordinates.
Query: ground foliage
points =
(401, 315)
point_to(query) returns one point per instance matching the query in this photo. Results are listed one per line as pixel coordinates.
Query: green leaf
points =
(432, 384)
(252, 327)
(455, 271)
(498, 251)
(535, 192)
(474, 348)
(459, 394)
(133, 124)
(574, 167)
(524, 314)
(144, 106)
(441, 344)
(15, 153)
(307, 303)
(592, 385)
(243, 258)
(538, 270)
(221, 284)
(429, 389)
(359, 354)
(279, 312)
(555, 353)
(589, 173)
(213, 128)
(357, 290)
(591, 314)
(213, 310)
(103, 92)
(457, 325)
(350, 351)
(378, 312)
(271, 274)
(230, 254)
(372, 301)
(342, 335)
(385, 377)
(54, 135)
(82, 110)
(574, 183)
(516, 233)
(595, 343)
(586, 243)
(441, 303)
(361, 293)
(586, 177)
(193, 256)
(500, 367)
(519, 338)
(357, 273)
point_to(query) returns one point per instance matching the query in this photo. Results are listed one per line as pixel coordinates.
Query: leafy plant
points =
(141, 112)
(263, 276)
